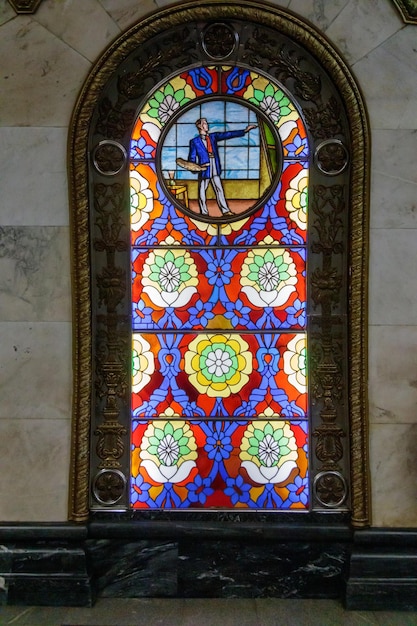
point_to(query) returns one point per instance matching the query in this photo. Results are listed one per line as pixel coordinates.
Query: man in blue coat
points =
(204, 152)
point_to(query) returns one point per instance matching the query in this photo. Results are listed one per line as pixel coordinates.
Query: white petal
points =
(286, 128)
(168, 471)
(269, 297)
(169, 297)
(280, 297)
(254, 473)
(184, 296)
(284, 471)
(183, 471)
(271, 475)
(253, 296)
(153, 131)
(155, 296)
(153, 471)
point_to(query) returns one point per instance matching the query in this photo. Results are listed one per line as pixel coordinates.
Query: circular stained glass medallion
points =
(220, 160)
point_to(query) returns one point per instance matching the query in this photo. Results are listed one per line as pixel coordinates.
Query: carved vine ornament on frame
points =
(276, 43)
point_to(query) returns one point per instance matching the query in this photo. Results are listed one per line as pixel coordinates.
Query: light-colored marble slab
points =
(392, 277)
(403, 47)
(35, 370)
(35, 456)
(389, 86)
(41, 76)
(85, 26)
(393, 374)
(6, 12)
(34, 176)
(393, 474)
(394, 179)
(362, 26)
(127, 12)
(320, 12)
(34, 274)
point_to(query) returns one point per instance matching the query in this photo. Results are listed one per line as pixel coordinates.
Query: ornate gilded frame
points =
(408, 10)
(25, 6)
(329, 432)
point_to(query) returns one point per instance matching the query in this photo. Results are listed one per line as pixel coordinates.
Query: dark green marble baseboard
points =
(72, 565)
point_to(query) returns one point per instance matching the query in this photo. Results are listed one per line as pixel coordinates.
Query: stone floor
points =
(211, 612)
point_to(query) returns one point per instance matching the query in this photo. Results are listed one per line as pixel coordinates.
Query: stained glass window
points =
(218, 248)
(219, 343)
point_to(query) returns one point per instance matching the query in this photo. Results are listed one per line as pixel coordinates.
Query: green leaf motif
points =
(269, 91)
(259, 434)
(169, 429)
(259, 95)
(179, 95)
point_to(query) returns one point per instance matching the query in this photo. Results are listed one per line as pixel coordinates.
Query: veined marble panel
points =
(41, 76)
(34, 176)
(34, 274)
(127, 12)
(392, 277)
(36, 453)
(393, 462)
(393, 374)
(394, 179)
(85, 26)
(6, 12)
(389, 86)
(363, 26)
(403, 47)
(35, 370)
(320, 12)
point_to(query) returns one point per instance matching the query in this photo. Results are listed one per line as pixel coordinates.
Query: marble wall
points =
(45, 59)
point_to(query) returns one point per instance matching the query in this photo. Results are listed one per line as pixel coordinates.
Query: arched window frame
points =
(99, 100)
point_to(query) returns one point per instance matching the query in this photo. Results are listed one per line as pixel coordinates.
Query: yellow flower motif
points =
(142, 363)
(271, 100)
(166, 100)
(141, 200)
(218, 365)
(168, 451)
(296, 199)
(295, 363)
(268, 275)
(169, 277)
(269, 451)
